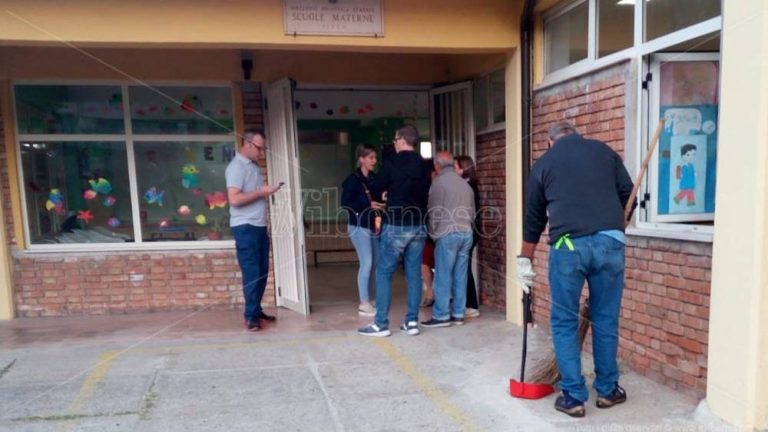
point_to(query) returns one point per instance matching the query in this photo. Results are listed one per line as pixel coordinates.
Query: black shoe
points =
(266, 317)
(253, 326)
(436, 323)
(617, 396)
(573, 407)
(457, 321)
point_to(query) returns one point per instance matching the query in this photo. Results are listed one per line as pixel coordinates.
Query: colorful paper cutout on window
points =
(216, 199)
(184, 210)
(101, 186)
(191, 103)
(85, 216)
(201, 219)
(190, 176)
(154, 196)
(163, 223)
(89, 194)
(109, 201)
(55, 202)
(113, 222)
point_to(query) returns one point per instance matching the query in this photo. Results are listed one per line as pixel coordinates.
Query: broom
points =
(547, 372)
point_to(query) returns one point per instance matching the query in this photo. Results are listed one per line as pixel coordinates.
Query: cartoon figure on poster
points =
(687, 166)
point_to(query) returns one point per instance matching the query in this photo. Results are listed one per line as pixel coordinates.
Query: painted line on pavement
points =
(87, 389)
(424, 384)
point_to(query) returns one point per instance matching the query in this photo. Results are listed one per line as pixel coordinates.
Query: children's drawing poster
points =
(687, 160)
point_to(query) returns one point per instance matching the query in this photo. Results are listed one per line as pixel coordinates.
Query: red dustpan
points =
(522, 389)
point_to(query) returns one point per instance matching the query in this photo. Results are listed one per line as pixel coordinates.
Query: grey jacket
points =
(451, 205)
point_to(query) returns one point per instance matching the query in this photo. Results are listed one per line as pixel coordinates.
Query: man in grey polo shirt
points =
(247, 195)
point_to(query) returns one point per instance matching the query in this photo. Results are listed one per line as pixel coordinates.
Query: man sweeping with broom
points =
(580, 186)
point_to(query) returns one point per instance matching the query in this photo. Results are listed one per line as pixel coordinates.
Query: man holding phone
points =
(247, 195)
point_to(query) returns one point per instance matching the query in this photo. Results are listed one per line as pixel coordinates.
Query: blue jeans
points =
(451, 264)
(600, 260)
(406, 241)
(367, 248)
(252, 244)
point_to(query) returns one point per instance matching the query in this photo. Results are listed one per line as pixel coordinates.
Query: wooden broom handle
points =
(643, 168)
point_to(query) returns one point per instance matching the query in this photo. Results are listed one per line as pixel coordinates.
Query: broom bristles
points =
(547, 372)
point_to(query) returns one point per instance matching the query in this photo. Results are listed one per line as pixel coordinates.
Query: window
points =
(615, 26)
(666, 16)
(566, 37)
(82, 147)
(489, 102)
(684, 168)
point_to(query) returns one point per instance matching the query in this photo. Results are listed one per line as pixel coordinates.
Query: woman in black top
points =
(465, 167)
(356, 200)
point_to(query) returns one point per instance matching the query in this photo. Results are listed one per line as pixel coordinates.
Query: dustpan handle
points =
(526, 320)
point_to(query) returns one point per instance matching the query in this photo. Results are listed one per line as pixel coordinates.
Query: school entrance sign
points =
(333, 17)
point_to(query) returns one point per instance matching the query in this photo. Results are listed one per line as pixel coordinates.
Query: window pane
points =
(566, 37)
(688, 145)
(615, 24)
(77, 192)
(480, 96)
(181, 110)
(666, 16)
(59, 109)
(182, 189)
(497, 96)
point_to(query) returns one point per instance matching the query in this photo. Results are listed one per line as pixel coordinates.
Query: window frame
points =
(491, 126)
(637, 129)
(128, 137)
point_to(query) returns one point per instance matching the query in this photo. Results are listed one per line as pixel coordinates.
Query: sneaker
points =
(411, 328)
(573, 407)
(457, 321)
(617, 396)
(471, 313)
(367, 309)
(374, 330)
(436, 323)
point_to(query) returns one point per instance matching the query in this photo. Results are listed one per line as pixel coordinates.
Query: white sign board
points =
(333, 17)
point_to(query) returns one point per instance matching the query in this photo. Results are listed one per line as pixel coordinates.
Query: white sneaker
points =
(366, 309)
(411, 328)
(471, 313)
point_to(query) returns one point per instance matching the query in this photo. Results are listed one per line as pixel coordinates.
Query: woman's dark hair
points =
(468, 166)
(363, 150)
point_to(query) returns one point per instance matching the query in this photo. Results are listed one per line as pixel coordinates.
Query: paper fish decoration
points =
(109, 201)
(197, 191)
(201, 219)
(163, 223)
(153, 196)
(101, 186)
(190, 176)
(184, 210)
(85, 216)
(55, 202)
(191, 103)
(216, 199)
(113, 222)
(89, 194)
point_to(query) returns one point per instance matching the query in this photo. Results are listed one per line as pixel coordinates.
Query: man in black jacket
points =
(406, 182)
(580, 186)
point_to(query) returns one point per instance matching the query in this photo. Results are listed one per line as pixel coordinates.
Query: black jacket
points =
(406, 180)
(580, 186)
(355, 201)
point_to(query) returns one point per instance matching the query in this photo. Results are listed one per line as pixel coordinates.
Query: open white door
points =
(453, 129)
(288, 253)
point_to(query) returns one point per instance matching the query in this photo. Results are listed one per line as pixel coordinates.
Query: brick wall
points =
(665, 310)
(122, 282)
(491, 253)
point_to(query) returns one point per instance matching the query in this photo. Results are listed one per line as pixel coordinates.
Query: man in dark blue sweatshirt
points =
(405, 181)
(580, 186)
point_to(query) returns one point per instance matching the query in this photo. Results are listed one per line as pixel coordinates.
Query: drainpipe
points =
(526, 40)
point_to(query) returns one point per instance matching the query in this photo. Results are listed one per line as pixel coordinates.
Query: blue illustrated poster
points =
(687, 160)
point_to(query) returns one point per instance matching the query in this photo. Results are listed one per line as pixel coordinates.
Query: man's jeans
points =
(600, 260)
(367, 247)
(252, 245)
(451, 264)
(396, 240)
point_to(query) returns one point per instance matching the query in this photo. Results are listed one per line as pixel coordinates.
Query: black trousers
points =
(473, 300)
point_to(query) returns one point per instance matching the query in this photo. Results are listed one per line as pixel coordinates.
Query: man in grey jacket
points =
(451, 208)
